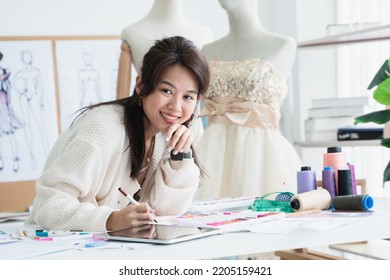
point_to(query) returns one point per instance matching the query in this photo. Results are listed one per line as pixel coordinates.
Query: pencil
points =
(131, 199)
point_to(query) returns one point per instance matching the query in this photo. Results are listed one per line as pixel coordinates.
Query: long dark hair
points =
(163, 54)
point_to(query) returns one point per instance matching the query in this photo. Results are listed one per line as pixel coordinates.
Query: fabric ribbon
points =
(237, 113)
(240, 112)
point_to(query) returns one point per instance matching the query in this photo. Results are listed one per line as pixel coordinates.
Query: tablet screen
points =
(159, 234)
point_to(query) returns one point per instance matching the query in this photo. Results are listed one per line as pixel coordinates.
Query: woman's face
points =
(173, 101)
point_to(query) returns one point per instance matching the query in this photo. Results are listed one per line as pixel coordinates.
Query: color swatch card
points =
(221, 204)
(227, 219)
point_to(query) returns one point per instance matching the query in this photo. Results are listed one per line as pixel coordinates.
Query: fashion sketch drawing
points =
(9, 122)
(28, 84)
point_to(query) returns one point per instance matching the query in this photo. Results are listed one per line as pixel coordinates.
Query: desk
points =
(243, 243)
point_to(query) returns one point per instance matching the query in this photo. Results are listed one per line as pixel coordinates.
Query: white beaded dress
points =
(242, 149)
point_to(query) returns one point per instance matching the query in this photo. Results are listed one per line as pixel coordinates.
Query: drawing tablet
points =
(159, 234)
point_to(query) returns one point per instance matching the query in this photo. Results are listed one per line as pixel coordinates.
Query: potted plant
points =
(381, 95)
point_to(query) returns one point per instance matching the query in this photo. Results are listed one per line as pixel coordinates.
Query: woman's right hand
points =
(130, 217)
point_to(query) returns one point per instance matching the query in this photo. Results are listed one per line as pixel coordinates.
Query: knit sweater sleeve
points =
(175, 184)
(66, 191)
(75, 188)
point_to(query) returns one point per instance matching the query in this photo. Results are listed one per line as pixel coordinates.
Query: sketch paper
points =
(87, 74)
(28, 109)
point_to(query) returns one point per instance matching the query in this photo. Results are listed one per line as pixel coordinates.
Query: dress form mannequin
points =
(165, 19)
(247, 39)
(242, 149)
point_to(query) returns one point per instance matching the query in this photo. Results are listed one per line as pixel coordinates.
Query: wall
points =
(93, 17)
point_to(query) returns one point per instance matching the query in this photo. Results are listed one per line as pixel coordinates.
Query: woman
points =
(126, 144)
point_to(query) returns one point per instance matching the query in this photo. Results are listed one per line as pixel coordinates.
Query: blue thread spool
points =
(358, 202)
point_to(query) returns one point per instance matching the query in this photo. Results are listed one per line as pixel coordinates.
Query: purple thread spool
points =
(329, 182)
(306, 179)
(353, 177)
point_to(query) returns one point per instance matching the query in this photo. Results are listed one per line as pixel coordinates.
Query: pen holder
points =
(281, 203)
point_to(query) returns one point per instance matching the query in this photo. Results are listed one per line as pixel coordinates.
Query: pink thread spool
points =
(335, 158)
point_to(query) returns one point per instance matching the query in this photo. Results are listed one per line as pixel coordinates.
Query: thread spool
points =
(353, 177)
(344, 182)
(317, 199)
(359, 202)
(329, 182)
(306, 180)
(335, 158)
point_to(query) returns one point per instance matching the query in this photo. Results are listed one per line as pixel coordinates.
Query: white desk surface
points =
(243, 243)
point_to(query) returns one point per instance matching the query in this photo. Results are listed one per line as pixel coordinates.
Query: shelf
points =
(355, 143)
(365, 35)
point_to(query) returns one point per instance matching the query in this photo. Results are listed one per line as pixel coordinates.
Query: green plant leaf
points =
(381, 75)
(386, 174)
(379, 117)
(385, 142)
(382, 92)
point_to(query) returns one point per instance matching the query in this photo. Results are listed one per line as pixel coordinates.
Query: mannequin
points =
(165, 19)
(247, 39)
(242, 149)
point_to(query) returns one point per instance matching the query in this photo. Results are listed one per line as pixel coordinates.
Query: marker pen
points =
(67, 237)
(46, 233)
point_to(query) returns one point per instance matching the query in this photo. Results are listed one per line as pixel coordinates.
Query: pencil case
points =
(279, 203)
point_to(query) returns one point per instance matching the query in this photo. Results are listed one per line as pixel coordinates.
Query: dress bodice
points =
(246, 92)
(252, 80)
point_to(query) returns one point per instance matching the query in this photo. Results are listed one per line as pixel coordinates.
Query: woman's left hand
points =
(180, 138)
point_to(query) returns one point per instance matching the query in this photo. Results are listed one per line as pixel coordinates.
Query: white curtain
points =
(358, 63)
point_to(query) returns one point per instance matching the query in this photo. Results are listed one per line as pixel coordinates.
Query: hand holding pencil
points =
(133, 201)
(134, 215)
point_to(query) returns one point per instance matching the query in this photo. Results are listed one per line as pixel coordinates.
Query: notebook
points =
(160, 234)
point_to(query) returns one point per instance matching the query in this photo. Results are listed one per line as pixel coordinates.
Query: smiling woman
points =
(108, 145)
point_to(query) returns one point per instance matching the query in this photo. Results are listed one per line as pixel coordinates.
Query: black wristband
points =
(180, 156)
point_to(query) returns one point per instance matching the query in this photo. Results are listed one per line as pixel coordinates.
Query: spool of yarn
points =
(353, 177)
(306, 180)
(335, 158)
(359, 202)
(344, 182)
(317, 199)
(329, 182)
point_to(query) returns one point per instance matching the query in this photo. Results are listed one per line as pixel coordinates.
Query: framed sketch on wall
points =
(44, 80)
(28, 108)
(87, 74)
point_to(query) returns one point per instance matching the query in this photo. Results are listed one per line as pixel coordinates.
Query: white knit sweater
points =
(78, 188)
